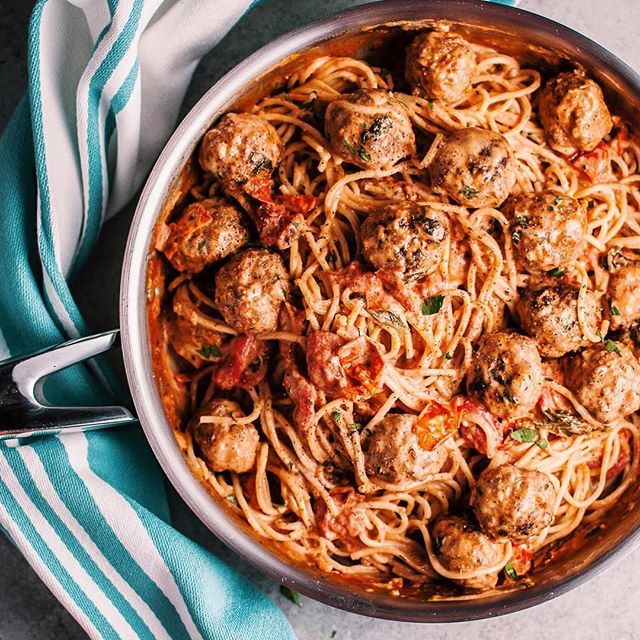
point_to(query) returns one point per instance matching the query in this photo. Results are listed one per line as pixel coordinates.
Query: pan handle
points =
(24, 412)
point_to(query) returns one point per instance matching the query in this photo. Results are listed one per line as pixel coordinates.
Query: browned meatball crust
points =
(548, 230)
(250, 290)
(624, 296)
(225, 447)
(506, 374)
(513, 503)
(395, 455)
(440, 66)
(205, 233)
(605, 378)
(474, 167)
(405, 238)
(549, 314)
(573, 113)
(461, 548)
(370, 129)
(241, 146)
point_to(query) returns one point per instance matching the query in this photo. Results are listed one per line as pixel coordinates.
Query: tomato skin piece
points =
(436, 424)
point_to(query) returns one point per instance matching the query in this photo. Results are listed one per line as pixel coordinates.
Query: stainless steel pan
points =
(378, 29)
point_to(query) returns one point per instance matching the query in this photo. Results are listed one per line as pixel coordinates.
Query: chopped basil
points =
(364, 155)
(336, 415)
(563, 423)
(556, 273)
(378, 128)
(430, 225)
(447, 356)
(558, 201)
(591, 204)
(432, 305)
(261, 165)
(515, 236)
(542, 443)
(525, 435)
(386, 317)
(209, 350)
(350, 148)
(289, 594)
(232, 499)
(201, 245)
(613, 310)
(414, 277)
(355, 426)
(510, 571)
(431, 104)
(522, 221)
(610, 345)
(468, 191)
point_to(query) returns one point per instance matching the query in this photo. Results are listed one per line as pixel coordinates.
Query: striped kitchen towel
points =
(89, 511)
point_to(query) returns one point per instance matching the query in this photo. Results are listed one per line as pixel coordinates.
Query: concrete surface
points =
(606, 608)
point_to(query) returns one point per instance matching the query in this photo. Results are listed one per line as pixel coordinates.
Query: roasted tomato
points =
(245, 363)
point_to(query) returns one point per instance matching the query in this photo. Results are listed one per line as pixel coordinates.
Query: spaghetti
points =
(407, 343)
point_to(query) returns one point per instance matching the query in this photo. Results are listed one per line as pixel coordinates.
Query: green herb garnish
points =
(378, 128)
(201, 245)
(350, 148)
(232, 499)
(436, 543)
(558, 201)
(556, 273)
(525, 435)
(209, 350)
(447, 356)
(355, 426)
(432, 305)
(610, 345)
(364, 155)
(542, 443)
(613, 310)
(386, 317)
(510, 571)
(289, 594)
(262, 164)
(336, 415)
(468, 191)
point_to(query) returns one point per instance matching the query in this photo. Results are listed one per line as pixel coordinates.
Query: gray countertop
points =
(607, 607)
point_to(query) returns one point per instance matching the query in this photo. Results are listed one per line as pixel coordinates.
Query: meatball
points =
(624, 296)
(549, 314)
(225, 447)
(506, 374)
(405, 238)
(461, 548)
(605, 378)
(250, 290)
(474, 167)
(205, 233)
(573, 113)
(548, 230)
(440, 66)
(513, 503)
(239, 147)
(370, 129)
(395, 455)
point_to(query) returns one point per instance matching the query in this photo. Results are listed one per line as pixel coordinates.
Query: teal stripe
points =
(95, 153)
(55, 567)
(119, 102)
(21, 471)
(74, 493)
(45, 244)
